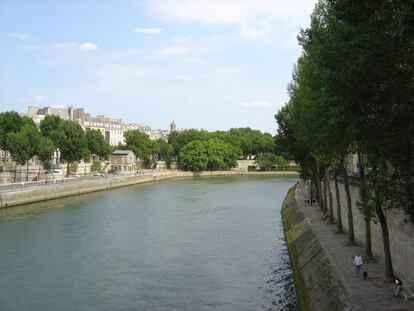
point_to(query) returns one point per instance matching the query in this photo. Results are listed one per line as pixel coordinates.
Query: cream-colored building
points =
(123, 162)
(112, 129)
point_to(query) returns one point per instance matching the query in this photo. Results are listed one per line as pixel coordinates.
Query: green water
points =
(194, 244)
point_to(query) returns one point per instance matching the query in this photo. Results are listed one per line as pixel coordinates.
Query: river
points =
(191, 244)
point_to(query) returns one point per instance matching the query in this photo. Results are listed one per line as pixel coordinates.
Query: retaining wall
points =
(61, 189)
(317, 287)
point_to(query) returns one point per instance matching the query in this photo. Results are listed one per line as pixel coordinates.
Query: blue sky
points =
(212, 64)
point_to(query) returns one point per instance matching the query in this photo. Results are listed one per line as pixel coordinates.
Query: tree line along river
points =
(193, 244)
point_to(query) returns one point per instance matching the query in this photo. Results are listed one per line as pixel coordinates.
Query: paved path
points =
(373, 294)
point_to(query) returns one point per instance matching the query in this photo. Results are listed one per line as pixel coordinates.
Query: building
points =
(173, 126)
(112, 129)
(123, 162)
(138, 126)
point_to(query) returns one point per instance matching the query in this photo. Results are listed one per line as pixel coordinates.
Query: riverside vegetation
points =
(352, 92)
(194, 150)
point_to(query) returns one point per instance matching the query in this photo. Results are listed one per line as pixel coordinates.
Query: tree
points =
(96, 143)
(50, 128)
(49, 125)
(10, 122)
(23, 145)
(268, 160)
(164, 151)
(193, 156)
(96, 166)
(44, 152)
(140, 144)
(220, 155)
(18, 145)
(71, 142)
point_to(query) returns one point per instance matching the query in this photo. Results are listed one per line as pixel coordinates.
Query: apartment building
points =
(111, 129)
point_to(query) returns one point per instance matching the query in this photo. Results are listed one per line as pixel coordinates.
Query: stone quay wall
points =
(61, 189)
(317, 286)
(401, 232)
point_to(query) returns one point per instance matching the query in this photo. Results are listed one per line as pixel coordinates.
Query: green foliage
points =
(267, 161)
(50, 127)
(221, 155)
(96, 166)
(163, 151)
(23, 145)
(49, 124)
(248, 142)
(70, 141)
(140, 144)
(96, 143)
(193, 156)
(213, 154)
(10, 122)
(45, 150)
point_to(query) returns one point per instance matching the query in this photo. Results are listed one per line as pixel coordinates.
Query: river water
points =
(193, 244)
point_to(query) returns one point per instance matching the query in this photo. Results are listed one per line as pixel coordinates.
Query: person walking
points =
(398, 287)
(357, 264)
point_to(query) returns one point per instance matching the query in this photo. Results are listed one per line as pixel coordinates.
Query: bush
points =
(96, 166)
(267, 161)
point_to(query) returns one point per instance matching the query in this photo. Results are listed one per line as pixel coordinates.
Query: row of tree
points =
(201, 150)
(352, 92)
(20, 136)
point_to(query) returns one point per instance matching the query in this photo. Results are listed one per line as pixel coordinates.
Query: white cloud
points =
(150, 31)
(38, 97)
(181, 78)
(172, 51)
(88, 46)
(65, 46)
(230, 11)
(256, 104)
(256, 32)
(121, 77)
(19, 36)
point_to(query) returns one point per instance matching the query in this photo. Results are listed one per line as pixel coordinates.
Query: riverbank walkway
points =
(375, 293)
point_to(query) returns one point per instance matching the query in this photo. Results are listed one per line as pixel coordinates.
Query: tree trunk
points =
(389, 273)
(38, 172)
(367, 218)
(27, 171)
(15, 172)
(368, 243)
(318, 186)
(325, 193)
(351, 235)
(338, 204)
(314, 188)
(67, 170)
(330, 203)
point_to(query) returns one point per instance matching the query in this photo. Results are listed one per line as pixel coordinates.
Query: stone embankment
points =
(322, 264)
(61, 189)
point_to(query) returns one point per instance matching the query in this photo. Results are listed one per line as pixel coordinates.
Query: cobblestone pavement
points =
(375, 293)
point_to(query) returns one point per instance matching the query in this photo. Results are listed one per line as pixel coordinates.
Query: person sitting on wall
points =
(398, 286)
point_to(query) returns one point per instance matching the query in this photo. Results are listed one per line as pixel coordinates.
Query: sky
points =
(211, 64)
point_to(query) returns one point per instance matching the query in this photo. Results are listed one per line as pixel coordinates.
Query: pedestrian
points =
(398, 286)
(358, 264)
